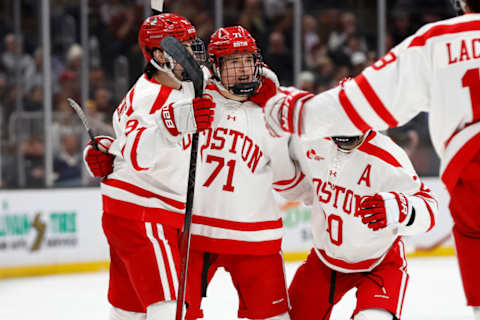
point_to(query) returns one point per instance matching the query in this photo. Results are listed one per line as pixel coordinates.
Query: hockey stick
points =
(84, 119)
(177, 51)
(157, 6)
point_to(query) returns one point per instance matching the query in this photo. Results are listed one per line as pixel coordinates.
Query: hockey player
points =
(144, 197)
(237, 224)
(436, 70)
(366, 197)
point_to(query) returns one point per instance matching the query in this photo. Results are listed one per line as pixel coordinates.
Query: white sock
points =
(476, 313)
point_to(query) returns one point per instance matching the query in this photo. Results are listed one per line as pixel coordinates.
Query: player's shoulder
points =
(382, 147)
(455, 25)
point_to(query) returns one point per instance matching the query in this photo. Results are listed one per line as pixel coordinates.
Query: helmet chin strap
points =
(169, 65)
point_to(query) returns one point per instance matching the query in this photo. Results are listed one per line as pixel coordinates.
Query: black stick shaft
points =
(185, 243)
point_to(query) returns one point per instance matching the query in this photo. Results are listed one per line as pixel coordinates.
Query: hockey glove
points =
(188, 116)
(99, 163)
(268, 87)
(283, 111)
(386, 209)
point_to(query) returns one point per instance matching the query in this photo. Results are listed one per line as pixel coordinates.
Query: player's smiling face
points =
(237, 68)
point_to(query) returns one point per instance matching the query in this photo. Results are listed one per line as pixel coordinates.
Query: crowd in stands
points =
(339, 40)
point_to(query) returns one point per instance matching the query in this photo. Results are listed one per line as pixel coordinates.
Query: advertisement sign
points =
(60, 226)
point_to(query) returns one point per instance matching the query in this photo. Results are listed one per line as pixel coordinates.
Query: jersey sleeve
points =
(404, 179)
(141, 138)
(289, 180)
(387, 94)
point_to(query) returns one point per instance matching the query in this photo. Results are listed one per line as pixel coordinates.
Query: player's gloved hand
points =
(283, 111)
(268, 87)
(385, 209)
(99, 163)
(188, 116)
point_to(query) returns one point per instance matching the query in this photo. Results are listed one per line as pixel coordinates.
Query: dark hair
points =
(150, 70)
(473, 5)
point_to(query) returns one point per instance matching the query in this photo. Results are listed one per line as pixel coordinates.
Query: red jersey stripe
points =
(432, 216)
(352, 113)
(162, 97)
(236, 225)
(440, 30)
(379, 153)
(300, 178)
(299, 124)
(142, 192)
(137, 212)
(375, 102)
(229, 246)
(130, 99)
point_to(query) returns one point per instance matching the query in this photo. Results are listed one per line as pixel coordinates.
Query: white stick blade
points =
(157, 5)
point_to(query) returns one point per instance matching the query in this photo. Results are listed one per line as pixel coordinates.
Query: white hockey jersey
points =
(150, 174)
(339, 180)
(436, 70)
(234, 208)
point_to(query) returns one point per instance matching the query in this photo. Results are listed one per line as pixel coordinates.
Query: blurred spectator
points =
(33, 157)
(34, 99)
(306, 81)
(279, 59)
(100, 122)
(310, 38)
(275, 8)
(103, 102)
(401, 26)
(25, 62)
(325, 69)
(67, 164)
(74, 59)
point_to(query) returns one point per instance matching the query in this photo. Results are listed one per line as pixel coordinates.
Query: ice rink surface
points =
(434, 292)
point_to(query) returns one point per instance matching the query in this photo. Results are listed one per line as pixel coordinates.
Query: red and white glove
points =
(385, 209)
(99, 163)
(283, 111)
(268, 88)
(188, 116)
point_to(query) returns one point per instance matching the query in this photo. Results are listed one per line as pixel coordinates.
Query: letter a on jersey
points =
(365, 176)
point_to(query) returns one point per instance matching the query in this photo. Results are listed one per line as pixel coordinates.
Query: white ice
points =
(434, 292)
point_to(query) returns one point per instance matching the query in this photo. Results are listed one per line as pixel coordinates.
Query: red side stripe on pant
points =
(352, 113)
(375, 102)
(165, 259)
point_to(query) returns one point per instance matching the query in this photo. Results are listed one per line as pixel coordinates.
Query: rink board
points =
(59, 231)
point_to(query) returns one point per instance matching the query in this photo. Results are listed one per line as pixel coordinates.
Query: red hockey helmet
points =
(155, 28)
(230, 41)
